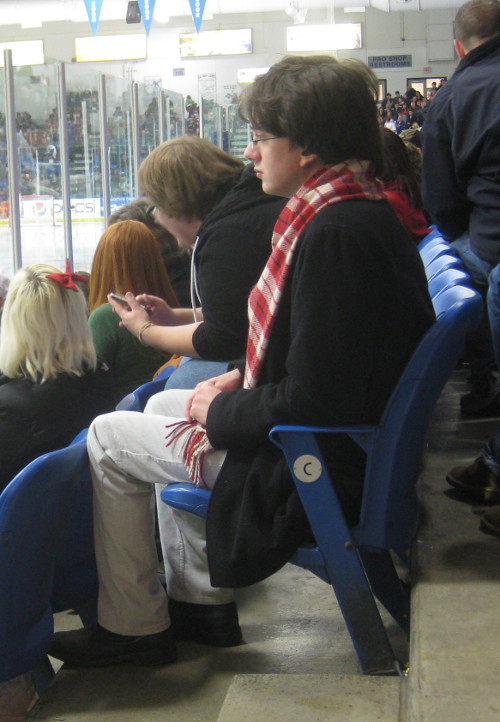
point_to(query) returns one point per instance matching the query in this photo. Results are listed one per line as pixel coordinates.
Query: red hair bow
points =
(67, 279)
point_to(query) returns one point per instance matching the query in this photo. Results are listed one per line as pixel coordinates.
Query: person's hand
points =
(199, 402)
(226, 382)
(203, 394)
(160, 312)
(132, 316)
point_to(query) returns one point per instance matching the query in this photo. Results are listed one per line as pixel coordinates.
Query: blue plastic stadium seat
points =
(35, 509)
(137, 400)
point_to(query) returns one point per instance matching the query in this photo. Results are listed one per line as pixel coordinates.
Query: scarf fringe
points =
(194, 447)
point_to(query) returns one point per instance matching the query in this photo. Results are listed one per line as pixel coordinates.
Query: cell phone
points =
(118, 297)
(121, 299)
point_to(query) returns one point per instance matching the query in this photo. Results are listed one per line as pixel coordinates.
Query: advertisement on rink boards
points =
(45, 209)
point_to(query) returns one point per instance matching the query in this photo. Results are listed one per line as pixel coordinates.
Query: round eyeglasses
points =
(253, 141)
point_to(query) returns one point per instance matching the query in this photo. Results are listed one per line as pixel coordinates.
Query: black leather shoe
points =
(490, 520)
(95, 646)
(476, 479)
(215, 624)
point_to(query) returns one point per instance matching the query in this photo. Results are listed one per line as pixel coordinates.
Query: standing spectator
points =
(461, 143)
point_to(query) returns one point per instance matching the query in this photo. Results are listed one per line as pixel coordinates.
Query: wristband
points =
(144, 327)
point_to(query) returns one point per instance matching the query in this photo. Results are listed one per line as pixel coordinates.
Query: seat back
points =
(32, 511)
(433, 250)
(447, 278)
(75, 583)
(434, 236)
(137, 400)
(440, 264)
(389, 500)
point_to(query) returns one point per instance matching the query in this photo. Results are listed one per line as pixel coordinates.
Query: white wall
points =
(426, 36)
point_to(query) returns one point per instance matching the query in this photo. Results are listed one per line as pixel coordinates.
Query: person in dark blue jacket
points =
(461, 174)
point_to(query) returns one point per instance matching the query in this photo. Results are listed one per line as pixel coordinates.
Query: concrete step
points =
(312, 698)
(455, 635)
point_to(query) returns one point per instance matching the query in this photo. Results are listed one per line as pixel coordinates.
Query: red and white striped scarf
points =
(346, 181)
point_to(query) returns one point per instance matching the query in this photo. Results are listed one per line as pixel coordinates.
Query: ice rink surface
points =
(44, 243)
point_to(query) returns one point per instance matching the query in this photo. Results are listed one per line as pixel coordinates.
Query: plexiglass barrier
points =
(57, 202)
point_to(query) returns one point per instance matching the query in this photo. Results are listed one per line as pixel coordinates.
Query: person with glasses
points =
(334, 317)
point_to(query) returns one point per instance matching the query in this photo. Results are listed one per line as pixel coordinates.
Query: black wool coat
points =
(354, 308)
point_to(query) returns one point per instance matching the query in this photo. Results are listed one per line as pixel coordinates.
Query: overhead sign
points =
(389, 61)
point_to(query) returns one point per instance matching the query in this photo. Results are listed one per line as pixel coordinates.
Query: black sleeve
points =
(229, 264)
(444, 198)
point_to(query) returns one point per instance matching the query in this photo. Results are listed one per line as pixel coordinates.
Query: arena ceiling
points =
(33, 13)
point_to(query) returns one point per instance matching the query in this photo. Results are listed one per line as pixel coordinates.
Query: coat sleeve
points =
(231, 261)
(444, 196)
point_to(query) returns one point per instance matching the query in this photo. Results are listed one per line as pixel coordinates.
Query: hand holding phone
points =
(121, 299)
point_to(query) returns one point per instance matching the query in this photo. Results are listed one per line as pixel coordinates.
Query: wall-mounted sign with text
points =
(389, 61)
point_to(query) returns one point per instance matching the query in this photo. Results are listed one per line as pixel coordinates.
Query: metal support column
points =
(136, 138)
(162, 119)
(13, 162)
(64, 153)
(103, 125)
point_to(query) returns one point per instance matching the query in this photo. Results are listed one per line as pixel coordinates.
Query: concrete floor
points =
(296, 645)
(291, 625)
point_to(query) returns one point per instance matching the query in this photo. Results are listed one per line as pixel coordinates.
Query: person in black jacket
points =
(339, 308)
(461, 180)
(51, 384)
(210, 201)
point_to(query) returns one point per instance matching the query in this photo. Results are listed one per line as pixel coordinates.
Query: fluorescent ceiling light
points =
(111, 47)
(216, 42)
(24, 52)
(344, 36)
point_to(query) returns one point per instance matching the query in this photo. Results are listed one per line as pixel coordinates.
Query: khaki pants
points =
(128, 457)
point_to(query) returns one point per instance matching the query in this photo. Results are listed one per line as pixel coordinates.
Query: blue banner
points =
(197, 8)
(93, 11)
(147, 8)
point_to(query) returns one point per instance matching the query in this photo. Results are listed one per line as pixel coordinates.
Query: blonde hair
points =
(184, 176)
(44, 328)
(128, 258)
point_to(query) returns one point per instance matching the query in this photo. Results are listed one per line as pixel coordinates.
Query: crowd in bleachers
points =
(406, 111)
